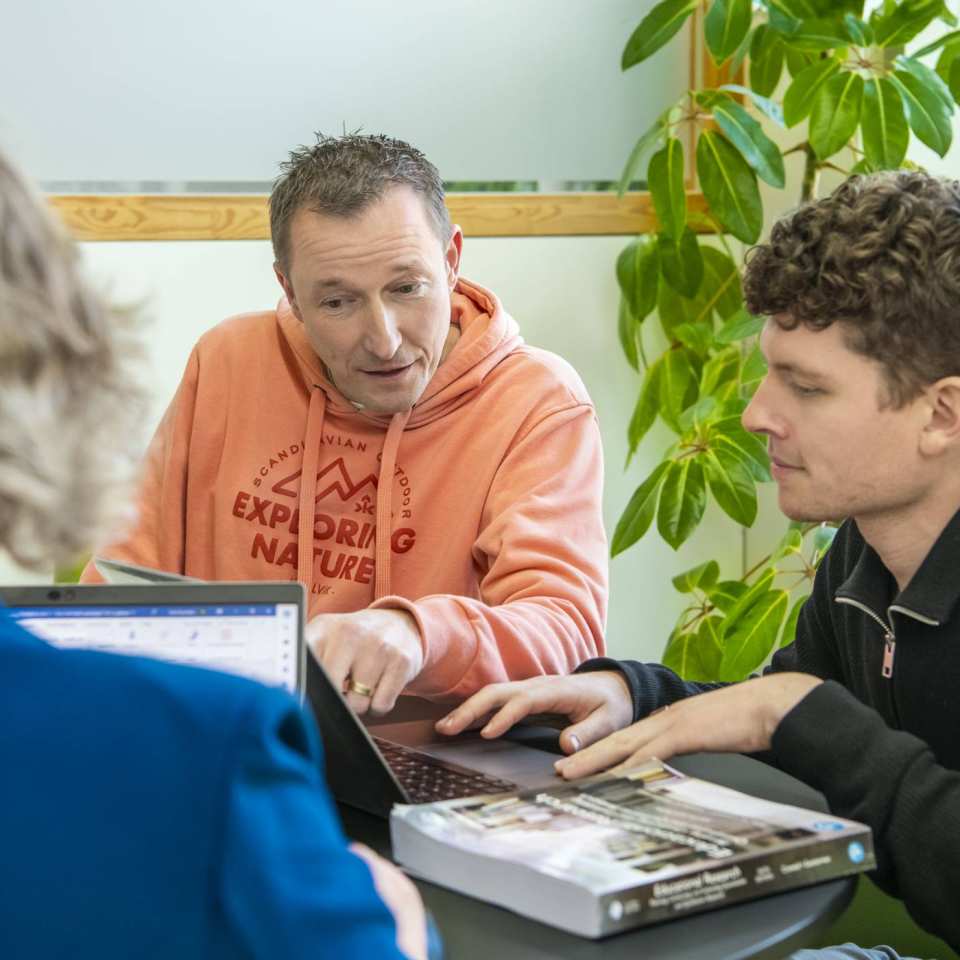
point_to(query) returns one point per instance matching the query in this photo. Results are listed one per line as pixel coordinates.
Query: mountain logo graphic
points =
(333, 478)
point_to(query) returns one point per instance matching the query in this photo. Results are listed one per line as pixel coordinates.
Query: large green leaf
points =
(748, 137)
(656, 28)
(836, 113)
(665, 179)
(645, 411)
(682, 501)
(884, 125)
(680, 261)
(730, 186)
(929, 78)
(695, 655)
(701, 577)
(639, 512)
(678, 385)
(741, 325)
(725, 26)
(800, 95)
(732, 485)
(927, 113)
(904, 22)
(628, 330)
(638, 273)
(766, 60)
(749, 641)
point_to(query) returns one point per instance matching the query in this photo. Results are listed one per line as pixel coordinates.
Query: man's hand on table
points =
(596, 703)
(739, 719)
(370, 655)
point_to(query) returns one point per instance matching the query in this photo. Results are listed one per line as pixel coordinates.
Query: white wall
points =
(219, 90)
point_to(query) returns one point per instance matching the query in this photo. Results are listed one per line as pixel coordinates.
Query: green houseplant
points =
(848, 72)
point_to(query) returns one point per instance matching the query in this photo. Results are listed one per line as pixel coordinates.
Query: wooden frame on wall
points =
(125, 217)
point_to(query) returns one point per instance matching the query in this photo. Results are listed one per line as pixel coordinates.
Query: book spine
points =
(735, 881)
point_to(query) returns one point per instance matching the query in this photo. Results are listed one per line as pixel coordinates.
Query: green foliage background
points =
(852, 74)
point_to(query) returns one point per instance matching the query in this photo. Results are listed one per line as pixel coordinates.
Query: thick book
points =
(624, 850)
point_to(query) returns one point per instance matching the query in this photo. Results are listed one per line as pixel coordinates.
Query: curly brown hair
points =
(881, 256)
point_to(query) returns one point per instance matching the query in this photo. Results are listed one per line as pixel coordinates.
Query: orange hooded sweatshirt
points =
(478, 511)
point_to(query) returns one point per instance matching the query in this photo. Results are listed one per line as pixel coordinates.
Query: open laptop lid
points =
(252, 629)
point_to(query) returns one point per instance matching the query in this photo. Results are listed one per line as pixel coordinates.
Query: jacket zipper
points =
(889, 639)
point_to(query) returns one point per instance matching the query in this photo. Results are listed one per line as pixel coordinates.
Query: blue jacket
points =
(151, 810)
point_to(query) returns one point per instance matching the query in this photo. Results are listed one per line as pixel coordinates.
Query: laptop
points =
(251, 629)
(375, 763)
(256, 630)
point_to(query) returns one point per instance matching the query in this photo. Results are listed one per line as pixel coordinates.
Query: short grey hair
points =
(70, 403)
(342, 176)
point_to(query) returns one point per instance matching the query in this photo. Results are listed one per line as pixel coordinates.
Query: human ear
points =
(942, 428)
(452, 256)
(284, 281)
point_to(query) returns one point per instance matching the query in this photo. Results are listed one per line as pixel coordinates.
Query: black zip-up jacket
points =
(881, 738)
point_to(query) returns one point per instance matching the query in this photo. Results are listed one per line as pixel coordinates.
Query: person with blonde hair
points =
(147, 810)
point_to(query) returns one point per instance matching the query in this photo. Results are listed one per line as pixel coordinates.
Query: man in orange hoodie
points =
(449, 531)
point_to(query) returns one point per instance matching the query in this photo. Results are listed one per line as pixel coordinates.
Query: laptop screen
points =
(257, 640)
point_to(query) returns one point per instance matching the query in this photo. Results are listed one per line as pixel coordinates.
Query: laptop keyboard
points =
(426, 778)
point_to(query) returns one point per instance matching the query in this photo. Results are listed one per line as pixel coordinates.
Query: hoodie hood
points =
(487, 335)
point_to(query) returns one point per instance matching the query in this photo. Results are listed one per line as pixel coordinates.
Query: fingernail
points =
(574, 742)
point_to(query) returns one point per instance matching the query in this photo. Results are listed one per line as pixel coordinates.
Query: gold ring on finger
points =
(361, 689)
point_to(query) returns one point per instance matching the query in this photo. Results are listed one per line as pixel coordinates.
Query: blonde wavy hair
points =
(70, 400)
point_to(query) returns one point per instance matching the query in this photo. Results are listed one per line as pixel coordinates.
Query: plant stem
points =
(811, 174)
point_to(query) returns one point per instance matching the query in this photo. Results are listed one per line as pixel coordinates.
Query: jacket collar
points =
(933, 591)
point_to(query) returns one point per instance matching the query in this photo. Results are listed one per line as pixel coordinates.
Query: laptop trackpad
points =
(505, 758)
(525, 766)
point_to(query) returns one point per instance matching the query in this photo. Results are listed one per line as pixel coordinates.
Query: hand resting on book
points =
(740, 718)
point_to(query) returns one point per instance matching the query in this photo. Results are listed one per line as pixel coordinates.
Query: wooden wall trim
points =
(244, 217)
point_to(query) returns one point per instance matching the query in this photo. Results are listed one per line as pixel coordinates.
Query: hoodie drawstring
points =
(388, 461)
(308, 494)
(308, 488)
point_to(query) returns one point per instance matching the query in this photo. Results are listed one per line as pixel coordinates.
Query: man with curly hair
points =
(861, 410)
